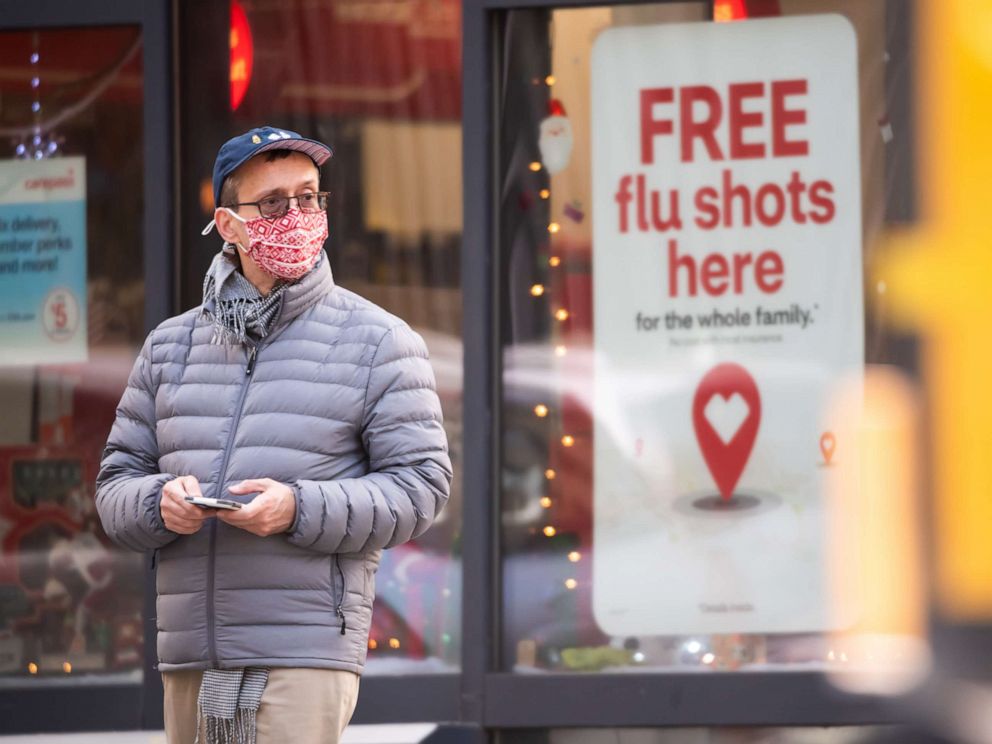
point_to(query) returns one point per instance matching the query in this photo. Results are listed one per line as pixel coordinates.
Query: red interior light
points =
(738, 10)
(242, 54)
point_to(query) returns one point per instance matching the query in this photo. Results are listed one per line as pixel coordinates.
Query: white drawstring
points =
(210, 225)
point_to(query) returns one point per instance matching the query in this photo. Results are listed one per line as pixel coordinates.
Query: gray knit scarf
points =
(237, 308)
(227, 705)
(229, 698)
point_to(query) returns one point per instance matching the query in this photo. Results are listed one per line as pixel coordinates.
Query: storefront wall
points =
(464, 201)
(629, 589)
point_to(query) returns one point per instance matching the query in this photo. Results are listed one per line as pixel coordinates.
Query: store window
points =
(686, 212)
(381, 84)
(72, 300)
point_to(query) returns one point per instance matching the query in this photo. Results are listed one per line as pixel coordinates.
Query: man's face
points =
(260, 178)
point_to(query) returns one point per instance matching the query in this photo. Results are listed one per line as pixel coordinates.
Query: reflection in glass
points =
(551, 413)
(70, 602)
(393, 120)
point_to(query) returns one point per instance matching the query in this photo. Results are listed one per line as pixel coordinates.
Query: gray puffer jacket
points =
(339, 402)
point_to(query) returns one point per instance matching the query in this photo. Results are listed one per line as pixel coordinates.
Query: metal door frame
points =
(119, 706)
(500, 700)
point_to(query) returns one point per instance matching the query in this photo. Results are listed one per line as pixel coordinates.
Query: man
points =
(313, 409)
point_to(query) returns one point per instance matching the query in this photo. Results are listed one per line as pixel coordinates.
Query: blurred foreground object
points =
(938, 273)
(878, 579)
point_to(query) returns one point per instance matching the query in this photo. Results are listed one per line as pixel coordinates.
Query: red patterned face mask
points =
(288, 246)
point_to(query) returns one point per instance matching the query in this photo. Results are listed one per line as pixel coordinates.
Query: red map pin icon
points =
(726, 412)
(828, 443)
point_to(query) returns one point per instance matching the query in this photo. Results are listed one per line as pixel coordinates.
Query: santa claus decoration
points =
(555, 139)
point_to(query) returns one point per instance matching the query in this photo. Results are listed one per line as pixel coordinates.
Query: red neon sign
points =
(242, 54)
(738, 10)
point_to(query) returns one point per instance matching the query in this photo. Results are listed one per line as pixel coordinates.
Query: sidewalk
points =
(400, 733)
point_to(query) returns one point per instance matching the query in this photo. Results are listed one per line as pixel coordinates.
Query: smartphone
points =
(211, 503)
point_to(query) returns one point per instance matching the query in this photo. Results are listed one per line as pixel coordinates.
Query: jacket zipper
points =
(211, 555)
(340, 607)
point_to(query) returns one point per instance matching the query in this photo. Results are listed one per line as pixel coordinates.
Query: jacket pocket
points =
(338, 590)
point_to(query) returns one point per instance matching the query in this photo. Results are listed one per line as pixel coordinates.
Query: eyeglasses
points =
(272, 207)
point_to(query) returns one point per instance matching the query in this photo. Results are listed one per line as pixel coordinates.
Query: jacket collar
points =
(306, 292)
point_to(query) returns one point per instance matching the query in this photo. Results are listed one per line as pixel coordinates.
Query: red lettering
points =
(740, 261)
(732, 204)
(674, 263)
(768, 219)
(714, 272)
(706, 203)
(651, 127)
(783, 117)
(623, 197)
(755, 128)
(642, 216)
(61, 182)
(703, 129)
(823, 202)
(741, 120)
(796, 189)
(730, 192)
(674, 221)
(768, 270)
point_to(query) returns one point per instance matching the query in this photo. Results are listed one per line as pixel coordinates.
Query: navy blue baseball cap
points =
(239, 150)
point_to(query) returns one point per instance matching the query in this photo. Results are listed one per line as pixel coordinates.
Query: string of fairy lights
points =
(36, 144)
(705, 653)
(561, 314)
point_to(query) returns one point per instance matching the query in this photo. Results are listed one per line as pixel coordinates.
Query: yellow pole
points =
(939, 277)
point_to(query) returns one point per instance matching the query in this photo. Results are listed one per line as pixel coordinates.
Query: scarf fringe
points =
(242, 729)
(245, 726)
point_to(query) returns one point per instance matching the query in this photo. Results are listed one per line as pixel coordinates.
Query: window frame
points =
(502, 700)
(118, 706)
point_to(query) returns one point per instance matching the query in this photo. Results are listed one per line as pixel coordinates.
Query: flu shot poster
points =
(728, 310)
(43, 261)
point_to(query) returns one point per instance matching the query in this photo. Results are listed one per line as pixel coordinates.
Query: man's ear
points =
(228, 227)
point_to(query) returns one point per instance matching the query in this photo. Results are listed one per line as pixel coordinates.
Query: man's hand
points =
(178, 514)
(269, 513)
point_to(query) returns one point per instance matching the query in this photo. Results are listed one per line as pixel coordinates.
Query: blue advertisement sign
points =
(43, 261)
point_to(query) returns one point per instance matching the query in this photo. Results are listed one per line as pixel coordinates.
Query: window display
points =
(71, 318)
(394, 210)
(687, 208)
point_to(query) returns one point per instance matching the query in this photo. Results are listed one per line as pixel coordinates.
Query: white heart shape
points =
(274, 136)
(726, 415)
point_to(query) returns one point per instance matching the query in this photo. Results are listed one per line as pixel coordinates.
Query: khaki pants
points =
(303, 706)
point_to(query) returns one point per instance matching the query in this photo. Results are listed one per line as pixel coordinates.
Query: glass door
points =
(74, 307)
